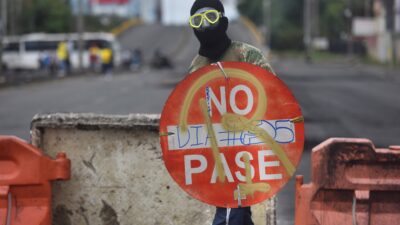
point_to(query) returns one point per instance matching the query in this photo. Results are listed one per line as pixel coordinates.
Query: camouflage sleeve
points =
(197, 63)
(256, 57)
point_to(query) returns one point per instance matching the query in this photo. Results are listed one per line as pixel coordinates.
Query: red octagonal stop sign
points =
(232, 134)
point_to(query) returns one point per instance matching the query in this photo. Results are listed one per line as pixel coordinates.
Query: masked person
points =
(210, 25)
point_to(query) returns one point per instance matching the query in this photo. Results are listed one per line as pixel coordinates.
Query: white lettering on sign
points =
(250, 100)
(189, 170)
(196, 136)
(221, 103)
(264, 165)
(228, 173)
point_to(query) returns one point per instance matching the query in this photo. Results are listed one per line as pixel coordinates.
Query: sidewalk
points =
(327, 69)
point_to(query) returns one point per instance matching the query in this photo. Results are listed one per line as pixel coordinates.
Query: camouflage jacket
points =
(238, 52)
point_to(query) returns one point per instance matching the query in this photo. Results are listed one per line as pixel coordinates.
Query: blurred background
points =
(366, 28)
(339, 57)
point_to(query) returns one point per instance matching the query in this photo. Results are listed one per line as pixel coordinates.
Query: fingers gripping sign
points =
(231, 138)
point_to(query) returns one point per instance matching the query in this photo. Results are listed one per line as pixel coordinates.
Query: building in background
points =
(168, 12)
(122, 8)
(75, 6)
(177, 12)
(381, 32)
(150, 10)
(111, 7)
(397, 29)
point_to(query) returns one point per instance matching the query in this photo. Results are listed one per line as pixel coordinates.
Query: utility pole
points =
(315, 19)
(1, 47)
(396, 25)
(14, 12)
(267, 8)
(307, 29)
(367, 8)
(349, 15)
(3, 30)
(80, 35)
(4, 14)
(18, 12)
(392, 18)
(12, 18)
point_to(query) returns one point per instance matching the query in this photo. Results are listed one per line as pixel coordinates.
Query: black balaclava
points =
(213, 40)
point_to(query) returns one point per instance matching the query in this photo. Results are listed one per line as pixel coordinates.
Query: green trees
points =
(286, 18)
(53, 16)
(287, 24)
(252, 10)
(333, 19)
(46, 16)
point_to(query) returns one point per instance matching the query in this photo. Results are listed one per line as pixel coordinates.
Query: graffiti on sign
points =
(233, 139)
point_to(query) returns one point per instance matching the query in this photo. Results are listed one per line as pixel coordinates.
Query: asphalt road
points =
(339, 98)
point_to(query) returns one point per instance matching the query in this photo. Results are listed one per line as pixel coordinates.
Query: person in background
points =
(94, 59)
(160, 61)
(62, 57)
(136, 60)
(44, 61)
(210, 25)
(106, 60)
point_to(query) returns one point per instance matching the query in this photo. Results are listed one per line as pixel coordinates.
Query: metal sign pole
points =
(1, 46)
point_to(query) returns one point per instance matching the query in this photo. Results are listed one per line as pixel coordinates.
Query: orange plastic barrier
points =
(25, 175)
(352, 183)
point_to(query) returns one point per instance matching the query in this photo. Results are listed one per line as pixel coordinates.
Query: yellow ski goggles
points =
(212, 16)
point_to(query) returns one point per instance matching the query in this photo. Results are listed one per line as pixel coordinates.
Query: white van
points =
(11, 53)
(24, 52)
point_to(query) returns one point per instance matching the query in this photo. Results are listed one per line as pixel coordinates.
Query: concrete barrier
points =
(352, 183)
(118, 175)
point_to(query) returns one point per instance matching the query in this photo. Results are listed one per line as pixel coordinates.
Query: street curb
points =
(125, 26)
